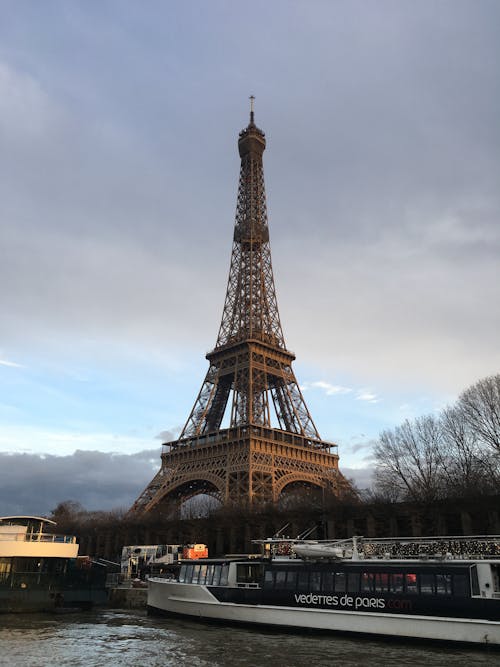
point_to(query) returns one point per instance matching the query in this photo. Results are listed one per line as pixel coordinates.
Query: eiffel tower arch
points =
(249, 436)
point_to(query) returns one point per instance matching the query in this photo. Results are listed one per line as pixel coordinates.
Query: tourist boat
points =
(432, 588)
(41, 571)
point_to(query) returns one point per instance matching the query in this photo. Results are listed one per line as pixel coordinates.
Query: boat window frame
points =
(224, 575)
(315, 581)
(353, 582)
(367, 582)
(203, 574)
(474, 580)
(328, 582)
(444, 584)
(196, 574)
(462, 589)
(340, 582)
(303, 581)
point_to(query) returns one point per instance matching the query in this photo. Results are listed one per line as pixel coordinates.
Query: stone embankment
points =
(128, 598)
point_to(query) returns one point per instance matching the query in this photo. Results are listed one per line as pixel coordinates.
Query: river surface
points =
(133, 639)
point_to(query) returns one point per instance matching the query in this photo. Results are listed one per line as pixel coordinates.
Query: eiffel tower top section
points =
(250, 310)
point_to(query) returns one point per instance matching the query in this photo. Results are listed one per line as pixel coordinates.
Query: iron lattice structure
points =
(270, 440)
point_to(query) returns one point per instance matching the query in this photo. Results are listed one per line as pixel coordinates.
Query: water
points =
(132, 639)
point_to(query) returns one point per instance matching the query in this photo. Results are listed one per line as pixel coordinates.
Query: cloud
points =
(102, 239)
(167, 436)
(333, 390)
(362, 477)
(329, 389)
(361, 446)
(369, 397)
(10, 364)
(37, 440)
(34, 484)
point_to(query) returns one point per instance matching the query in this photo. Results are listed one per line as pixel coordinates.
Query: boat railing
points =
(36, 537)
(457, 547)
(440, 547)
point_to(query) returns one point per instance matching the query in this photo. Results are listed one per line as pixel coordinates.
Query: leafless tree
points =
(480, 405)
(468, 469)
(409, 461)
(456, 453)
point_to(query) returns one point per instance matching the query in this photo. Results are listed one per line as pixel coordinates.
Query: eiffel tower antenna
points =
(249, 436)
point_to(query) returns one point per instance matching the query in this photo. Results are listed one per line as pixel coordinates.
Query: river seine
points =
(115, 639)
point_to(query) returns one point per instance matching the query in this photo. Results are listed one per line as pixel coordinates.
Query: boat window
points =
(303, 581)
(248, 574)
(460, 585)
(203, 574)
(411, 582)
(474, 580)
(216, 577)
(340, 582)
(189, 574)
(381, 582)
(196, 574)
(495, 573)
(367, 582)
(224, 574)
(182, 574)
(315, 581)
(291, 578)
(280, 578)
(5, 565)
(396, 583)
(443, 584)
(328, 581)
(427, 586)
(210, 575)
(268, 579)
(353, 582)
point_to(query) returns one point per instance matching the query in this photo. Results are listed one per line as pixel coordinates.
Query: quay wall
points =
(128, 598)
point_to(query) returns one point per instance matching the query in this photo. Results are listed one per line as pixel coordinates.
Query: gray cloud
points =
(32, 484)
(119, 169)
(362, 477)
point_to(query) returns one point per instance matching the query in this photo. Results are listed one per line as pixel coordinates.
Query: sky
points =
(118, 179)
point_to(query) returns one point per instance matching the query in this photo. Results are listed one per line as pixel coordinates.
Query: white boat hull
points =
(197, 601)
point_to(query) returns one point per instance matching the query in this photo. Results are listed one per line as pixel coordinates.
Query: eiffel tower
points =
(270, 442)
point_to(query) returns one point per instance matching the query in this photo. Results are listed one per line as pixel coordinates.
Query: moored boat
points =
(434, 589)
(41, 571)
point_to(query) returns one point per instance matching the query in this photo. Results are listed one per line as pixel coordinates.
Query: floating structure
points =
(41, 570)
(402, 588)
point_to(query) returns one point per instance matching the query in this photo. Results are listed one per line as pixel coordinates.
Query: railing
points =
(264, 432)
(453, 547)
(36, 537)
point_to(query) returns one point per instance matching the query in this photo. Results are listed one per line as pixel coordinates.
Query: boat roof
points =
(27, 518)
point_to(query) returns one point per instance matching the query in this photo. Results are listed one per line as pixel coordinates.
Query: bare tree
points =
(457, 453)
(480, 405)
(468, 469)
(409, 461)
